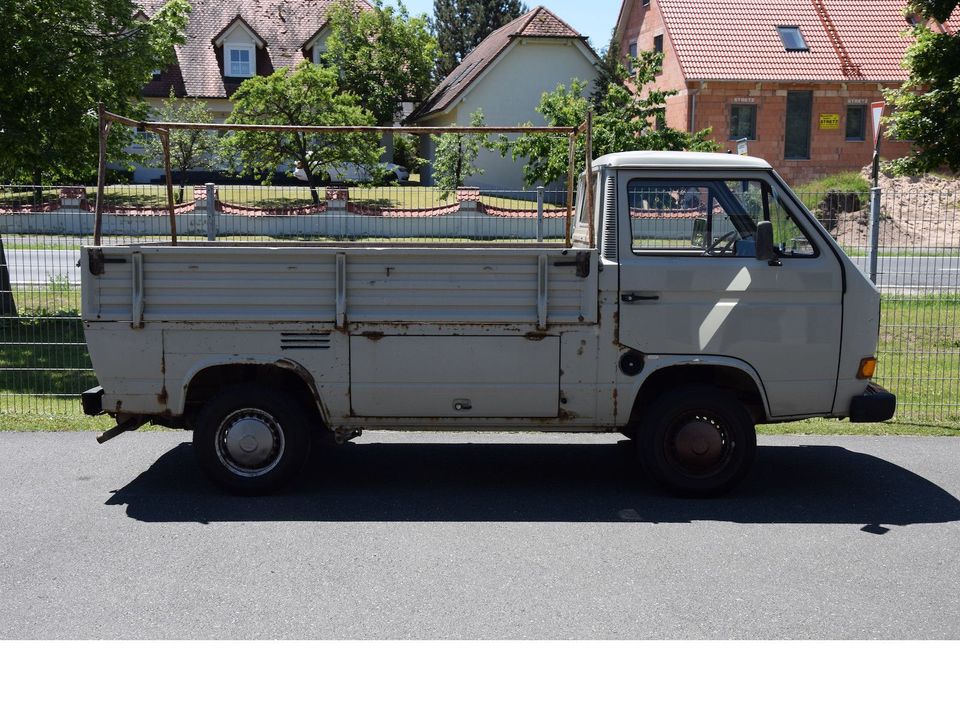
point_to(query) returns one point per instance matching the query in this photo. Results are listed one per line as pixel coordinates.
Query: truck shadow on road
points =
(395, 482)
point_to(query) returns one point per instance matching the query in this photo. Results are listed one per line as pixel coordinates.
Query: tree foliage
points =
(189, 149)
(385, 56)
(461, 25)
(622, 121)
(306, 95)
(60, 58)
(926, 108)
(456, 156)
(939, 10)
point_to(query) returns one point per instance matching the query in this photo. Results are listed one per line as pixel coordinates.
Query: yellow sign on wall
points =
(829, 121)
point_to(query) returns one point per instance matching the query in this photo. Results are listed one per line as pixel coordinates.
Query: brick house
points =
(793, 77)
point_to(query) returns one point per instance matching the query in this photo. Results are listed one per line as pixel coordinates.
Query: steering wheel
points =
(723, 245)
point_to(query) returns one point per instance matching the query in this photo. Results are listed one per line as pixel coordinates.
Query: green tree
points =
(306, 95)
(456, 156)
(926, 108)
(461, 25)
(60, 58)
(623, 120)
(385, 56)
(189, 149)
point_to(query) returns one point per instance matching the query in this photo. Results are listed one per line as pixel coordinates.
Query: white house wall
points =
(509, 92)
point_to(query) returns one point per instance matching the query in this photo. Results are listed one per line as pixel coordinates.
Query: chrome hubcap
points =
(250, 442)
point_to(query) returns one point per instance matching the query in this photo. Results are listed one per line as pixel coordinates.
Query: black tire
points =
(251, 440)
(697, 441)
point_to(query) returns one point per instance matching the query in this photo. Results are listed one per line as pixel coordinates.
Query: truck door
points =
(690, 283)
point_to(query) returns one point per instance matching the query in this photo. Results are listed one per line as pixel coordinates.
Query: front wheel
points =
(697, 440)
(251, 440)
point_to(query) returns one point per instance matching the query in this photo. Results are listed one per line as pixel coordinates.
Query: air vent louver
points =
(304, 341)
(609, 231)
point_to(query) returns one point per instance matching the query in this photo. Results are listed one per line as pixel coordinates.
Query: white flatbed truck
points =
(712, 302)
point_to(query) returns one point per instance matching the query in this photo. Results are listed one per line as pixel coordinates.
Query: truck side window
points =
(763, 202)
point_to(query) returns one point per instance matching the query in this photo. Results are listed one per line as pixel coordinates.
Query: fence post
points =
(211, 212)
(540, 213)
(8, 306)
(874, 232)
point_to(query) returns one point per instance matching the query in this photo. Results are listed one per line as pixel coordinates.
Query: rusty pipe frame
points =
(338, 129)
(163, 130)
(588, 183)
(165, 143)
(104, 131)
(571, 176)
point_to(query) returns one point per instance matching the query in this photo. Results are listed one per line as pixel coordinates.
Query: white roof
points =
(674, 159)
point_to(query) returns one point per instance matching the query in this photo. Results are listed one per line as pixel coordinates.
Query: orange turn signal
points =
(868, 366)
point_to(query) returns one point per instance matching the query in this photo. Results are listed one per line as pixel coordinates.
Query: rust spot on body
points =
(566, 415)
(536, 336)
(373, 335)
(162, 395)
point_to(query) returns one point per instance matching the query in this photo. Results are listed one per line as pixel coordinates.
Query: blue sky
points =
(594, 19)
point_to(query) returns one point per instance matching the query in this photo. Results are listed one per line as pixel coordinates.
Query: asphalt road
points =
(478, 536)
(922, 273)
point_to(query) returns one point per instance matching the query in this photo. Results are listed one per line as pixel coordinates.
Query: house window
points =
(239, 61)
(796, 141)
(743, 122)
(658, 48)
(792, 38)
(633, 55)
(856, 122)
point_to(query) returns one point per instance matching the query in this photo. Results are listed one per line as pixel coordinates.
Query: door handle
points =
(629, 297)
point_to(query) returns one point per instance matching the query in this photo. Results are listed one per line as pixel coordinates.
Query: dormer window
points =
(239, 60)
(792, 38)
(239, 43)
(316, 46)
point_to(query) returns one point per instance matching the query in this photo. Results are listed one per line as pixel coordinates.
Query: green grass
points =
(280, 197)
(823, 426)
(851, 181)
(393, 197)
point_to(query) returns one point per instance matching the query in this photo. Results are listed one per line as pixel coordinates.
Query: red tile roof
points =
(539, 22)
(284, 27)
(738, 39)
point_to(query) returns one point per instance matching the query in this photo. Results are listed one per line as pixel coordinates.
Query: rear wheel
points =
(251, 440)
(697, 440)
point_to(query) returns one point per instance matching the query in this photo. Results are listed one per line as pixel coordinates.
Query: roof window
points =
(792, 38)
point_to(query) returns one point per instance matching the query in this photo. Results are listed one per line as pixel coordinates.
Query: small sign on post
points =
(876, 112)
(742, 146)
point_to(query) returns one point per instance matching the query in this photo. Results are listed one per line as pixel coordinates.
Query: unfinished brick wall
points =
(830, 151)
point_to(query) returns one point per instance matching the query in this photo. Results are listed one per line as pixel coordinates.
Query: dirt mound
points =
(916, 213)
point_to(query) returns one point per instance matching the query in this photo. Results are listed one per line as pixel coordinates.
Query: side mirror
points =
(764, 239)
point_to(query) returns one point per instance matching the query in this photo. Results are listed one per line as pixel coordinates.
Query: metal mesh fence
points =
(44, 364)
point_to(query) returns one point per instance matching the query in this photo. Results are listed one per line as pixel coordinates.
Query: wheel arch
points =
(205, 380)
(720, 372)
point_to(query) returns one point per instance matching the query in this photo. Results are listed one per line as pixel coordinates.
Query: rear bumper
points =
(875, 405)
(92, 401)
